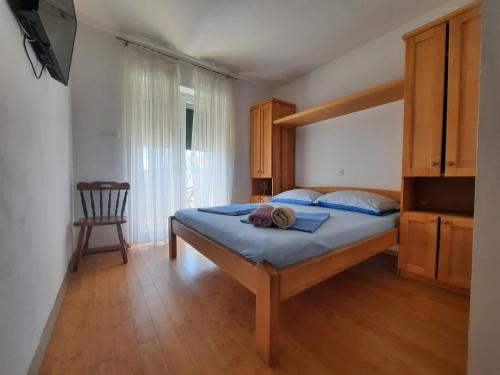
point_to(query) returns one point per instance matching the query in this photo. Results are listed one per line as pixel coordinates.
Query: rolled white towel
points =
(283, 217)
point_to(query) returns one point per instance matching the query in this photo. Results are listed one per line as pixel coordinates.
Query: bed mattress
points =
(283, 248)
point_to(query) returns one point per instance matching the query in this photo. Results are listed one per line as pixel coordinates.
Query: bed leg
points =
(172, 239)
(267, 312)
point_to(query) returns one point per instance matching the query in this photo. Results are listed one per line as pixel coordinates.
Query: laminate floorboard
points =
(156, 316)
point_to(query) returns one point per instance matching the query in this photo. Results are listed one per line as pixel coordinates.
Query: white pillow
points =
(303, 197)
(358, 201)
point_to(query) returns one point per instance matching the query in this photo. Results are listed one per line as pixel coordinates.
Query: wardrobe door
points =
(418, 244)
(267, 140)
(424, 101)
(463, 93)
(455, 251)
(256, 143)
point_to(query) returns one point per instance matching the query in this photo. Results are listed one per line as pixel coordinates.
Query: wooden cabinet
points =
(259, 198)
(437, 247)
(424, 98)
(266, 142)
(439, 149)
(255, 142)
(455, 251)
(418, 244)
(262, 136)
(272, 148)
(463, 93)
(441, 119)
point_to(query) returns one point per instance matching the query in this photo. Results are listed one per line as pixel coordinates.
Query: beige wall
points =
(484, 329)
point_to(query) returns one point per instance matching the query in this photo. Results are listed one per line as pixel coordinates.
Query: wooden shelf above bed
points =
(372, 97)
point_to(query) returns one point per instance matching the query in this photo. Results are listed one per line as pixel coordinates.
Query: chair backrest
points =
(108, 187)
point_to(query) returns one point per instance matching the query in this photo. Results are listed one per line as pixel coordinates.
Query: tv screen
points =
(51, 27)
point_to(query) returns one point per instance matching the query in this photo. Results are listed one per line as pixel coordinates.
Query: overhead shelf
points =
(372, 97)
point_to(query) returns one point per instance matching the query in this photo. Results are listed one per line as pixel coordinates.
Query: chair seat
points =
(105, 220)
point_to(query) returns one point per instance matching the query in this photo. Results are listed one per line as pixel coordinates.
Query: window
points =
(189, 125)
(187, 98)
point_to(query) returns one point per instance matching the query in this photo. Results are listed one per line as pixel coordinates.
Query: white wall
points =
(484, 328)
(96, 96)
(367, 145)
(245, 96)
(35, 198)
(97, 117)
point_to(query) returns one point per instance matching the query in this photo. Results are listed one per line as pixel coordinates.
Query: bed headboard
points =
(393, 194)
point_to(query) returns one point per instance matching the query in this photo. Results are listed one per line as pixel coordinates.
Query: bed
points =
(274, 264)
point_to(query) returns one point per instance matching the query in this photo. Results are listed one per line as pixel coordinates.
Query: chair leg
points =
(79, 249)
(123, 246)
(267, 313)
(87, 239)
(172, 239)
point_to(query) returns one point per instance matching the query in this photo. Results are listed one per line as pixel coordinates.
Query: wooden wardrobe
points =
(439, 151)
(271, 151)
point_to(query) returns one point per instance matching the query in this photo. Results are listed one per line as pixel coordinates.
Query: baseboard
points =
(435, 283)
(36, 361)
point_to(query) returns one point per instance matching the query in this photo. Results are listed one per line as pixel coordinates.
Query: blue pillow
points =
(303, 197)
(358, 201)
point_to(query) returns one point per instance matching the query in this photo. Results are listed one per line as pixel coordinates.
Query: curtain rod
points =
(177, 56)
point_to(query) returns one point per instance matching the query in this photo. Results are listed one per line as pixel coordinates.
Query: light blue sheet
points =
(231, 209)
(282, 248)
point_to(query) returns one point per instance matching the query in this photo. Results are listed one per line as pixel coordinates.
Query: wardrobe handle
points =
(451, 163)
(434, 164)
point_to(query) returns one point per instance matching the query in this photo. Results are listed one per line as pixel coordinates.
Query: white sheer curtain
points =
(212, 139)
(151, 116)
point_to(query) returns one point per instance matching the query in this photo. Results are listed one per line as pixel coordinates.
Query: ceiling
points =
(273, 41)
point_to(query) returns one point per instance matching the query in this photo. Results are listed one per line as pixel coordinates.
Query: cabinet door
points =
(418, 244)
(424, 101)
(267, 140)
(463, 93)
(455, 251)
(256, 143)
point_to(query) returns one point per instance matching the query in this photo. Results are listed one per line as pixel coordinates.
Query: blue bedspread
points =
(231, 209)
(304, 221)
(283, 248)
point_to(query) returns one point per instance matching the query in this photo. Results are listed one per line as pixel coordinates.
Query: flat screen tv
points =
(51, 27)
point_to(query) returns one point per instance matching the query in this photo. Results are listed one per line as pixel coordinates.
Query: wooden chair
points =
(113, 216)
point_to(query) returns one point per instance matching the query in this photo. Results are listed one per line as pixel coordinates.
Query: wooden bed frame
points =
(270, 285)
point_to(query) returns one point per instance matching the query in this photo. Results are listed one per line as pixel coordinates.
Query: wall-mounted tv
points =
(51, 27)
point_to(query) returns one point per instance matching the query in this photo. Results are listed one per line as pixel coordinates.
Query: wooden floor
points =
(153, 316)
